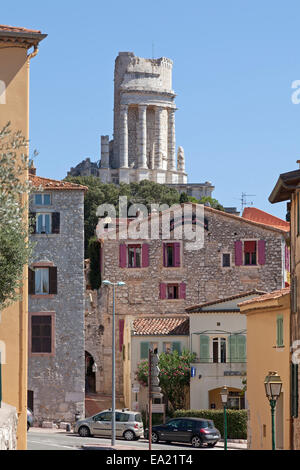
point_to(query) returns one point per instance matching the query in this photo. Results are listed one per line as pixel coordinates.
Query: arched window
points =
(2, 92)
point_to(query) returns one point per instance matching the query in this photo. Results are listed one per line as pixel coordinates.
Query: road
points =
(46, 439)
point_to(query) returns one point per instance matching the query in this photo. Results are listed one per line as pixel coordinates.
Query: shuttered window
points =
(279, 328)
(176, 346)
(237, 348)
(41, 333)
(294, 390)
(144, 350)
(42, 280)
(171, 255)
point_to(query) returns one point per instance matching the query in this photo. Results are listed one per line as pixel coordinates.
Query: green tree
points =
(214, 203)
(14, 245)
(174, 376)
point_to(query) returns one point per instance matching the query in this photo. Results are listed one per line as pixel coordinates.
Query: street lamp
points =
(113, 407)
(224, 398)
(273, 386)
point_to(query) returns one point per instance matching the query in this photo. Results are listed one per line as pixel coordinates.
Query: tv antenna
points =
(244, 201)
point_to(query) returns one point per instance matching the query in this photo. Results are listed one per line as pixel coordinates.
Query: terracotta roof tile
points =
(47, 183)
(257, 215)
(276, 294)
(161, 326)
(226, 299)
(15, 29)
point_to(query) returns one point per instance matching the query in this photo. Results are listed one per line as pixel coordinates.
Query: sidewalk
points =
(238, 444)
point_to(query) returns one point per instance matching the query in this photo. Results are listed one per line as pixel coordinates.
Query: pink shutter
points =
(165, 254)
(182, 290)
(238, 248)
(145, 255)
(122, 258)
(121, 334)
(177, 255)
(261, 252)
(162, 290)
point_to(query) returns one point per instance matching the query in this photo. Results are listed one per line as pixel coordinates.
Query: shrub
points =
(236, 420)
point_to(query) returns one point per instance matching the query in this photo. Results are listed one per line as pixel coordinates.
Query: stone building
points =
(56, 382)
(144, 145)
(163, 277)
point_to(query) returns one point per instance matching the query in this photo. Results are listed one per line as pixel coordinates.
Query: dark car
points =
(30, 418)
(197, 431)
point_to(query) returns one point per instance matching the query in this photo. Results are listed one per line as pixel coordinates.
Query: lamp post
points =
(113, 407)
(273, 386)
(224, 398)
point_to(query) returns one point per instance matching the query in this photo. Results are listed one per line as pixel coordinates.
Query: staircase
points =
(96, 402)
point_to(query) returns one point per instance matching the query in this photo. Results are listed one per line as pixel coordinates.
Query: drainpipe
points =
(34, 53)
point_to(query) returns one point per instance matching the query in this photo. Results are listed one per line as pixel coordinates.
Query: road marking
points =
(47, 443)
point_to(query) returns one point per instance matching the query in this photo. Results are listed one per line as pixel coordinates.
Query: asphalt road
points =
(45, 439)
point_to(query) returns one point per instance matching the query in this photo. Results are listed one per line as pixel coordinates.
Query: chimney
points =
(32, 169)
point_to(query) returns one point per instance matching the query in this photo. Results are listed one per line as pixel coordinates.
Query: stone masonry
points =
(56, 379)
(201, 274)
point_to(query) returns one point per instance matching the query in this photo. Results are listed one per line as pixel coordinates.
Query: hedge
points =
(236, 420)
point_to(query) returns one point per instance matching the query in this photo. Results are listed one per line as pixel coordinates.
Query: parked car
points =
(129, 425)
(30, 418)
(197, 431)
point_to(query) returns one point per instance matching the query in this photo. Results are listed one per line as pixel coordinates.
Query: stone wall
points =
(8, 427)
(58, 380)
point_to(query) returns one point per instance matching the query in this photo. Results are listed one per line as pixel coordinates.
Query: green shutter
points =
(233, 350)
(241, 348)
(279, 322)
(204, 348)
(176, 346)
(144, 350)
(294, 390)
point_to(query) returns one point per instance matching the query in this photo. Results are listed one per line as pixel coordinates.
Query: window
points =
(171, 255)
(134, 256)
(41, 333)
(43, 223)
(168, 347)
(279, 327)
(42, 199)
(249, 252)
(172, 291)
(235, 401)
(122, 417)
(237, 348)
(219, 350)
(226, 260)
(144, 349)
(42, 280)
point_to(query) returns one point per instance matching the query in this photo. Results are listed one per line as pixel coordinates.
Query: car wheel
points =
(211, 444)
(129, 435)
(196, 441)
(155, 438)
(84, 431)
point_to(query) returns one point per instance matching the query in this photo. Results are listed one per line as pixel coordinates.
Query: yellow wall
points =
(262, 357)
(13, 325)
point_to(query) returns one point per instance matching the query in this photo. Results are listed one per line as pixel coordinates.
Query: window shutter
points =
(144, 350)
(204, 348)
(162, 290)
(261, 252)
(233, 353)
(145, 255)
(53, 280)
(176, 346)
(294, 390)
(121, 334)
(238, 249)
(182, 290)
(31, 281)
(241, 348)
(122, 258)
(55, 222)
(165, 254)
(177, 255)
(279, 325)
(32, 222)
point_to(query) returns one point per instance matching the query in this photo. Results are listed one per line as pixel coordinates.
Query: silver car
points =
(129, 425)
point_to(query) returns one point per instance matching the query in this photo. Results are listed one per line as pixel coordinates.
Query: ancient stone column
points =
(171, 140)
(142, 158)
(104, 151)
(158, 137)
(123, 154)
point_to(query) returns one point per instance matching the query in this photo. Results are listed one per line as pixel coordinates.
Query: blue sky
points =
(234, 64)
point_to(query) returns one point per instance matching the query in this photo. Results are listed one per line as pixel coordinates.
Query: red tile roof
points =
(161, 326)
(15, 29)
(226, 299)
(276, 294)
(47, 183)
(257, 215)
